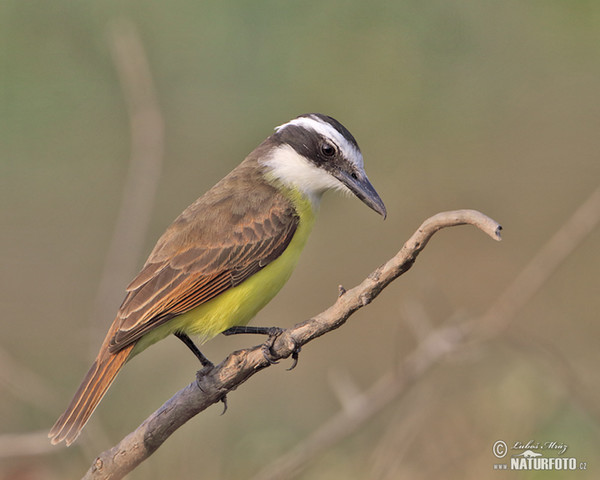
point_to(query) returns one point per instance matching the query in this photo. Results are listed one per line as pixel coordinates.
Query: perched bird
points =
(229, 253)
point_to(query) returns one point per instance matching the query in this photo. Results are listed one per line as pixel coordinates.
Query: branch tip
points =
(498, 236)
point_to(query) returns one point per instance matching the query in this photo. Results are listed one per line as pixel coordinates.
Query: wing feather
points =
(199, 258)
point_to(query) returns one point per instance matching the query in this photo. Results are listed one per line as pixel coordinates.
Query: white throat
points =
(295, 171)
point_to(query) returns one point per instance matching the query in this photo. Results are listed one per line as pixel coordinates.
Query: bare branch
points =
(213, 384)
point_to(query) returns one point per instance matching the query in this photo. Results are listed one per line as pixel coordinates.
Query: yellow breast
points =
(240, 304)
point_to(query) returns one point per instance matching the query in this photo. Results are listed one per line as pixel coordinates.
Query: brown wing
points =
(231, 232)
(225, 237)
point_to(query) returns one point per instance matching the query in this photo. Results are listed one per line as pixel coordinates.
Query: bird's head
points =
(315, 153)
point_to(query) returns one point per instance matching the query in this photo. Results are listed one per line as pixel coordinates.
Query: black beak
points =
(359, 185)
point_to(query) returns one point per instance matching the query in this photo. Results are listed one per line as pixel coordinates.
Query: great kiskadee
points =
(229, 253)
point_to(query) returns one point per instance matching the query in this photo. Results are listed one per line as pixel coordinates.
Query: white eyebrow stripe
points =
(328, 131)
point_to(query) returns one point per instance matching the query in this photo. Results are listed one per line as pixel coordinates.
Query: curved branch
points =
(436, 343)
(213, 384)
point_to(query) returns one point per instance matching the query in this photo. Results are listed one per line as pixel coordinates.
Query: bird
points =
(229, 253)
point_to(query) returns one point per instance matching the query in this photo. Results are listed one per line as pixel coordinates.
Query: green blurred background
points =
(456, 104)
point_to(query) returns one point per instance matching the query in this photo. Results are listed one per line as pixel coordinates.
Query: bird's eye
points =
(327, 149)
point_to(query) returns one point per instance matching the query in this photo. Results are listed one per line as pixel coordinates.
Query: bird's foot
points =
(273, 333)
(200, 379)
(202, 373)
(268, 345)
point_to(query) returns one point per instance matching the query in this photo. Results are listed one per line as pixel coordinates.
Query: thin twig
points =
(214, 383)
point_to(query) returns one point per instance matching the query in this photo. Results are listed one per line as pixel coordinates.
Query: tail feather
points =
(88, 395)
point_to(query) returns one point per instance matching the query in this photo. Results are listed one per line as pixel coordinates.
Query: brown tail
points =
(88, 395)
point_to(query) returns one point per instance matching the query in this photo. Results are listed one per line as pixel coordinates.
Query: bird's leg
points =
(206, 363)
(192, 346)
(273, 333)
(270, 331)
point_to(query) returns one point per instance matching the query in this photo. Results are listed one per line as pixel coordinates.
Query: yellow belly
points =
(240, 304)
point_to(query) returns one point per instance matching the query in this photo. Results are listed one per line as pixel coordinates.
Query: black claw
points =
(294, 358)
(266, 349)
(224, 402)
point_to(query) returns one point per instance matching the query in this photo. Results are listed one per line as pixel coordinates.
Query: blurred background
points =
(465, 104)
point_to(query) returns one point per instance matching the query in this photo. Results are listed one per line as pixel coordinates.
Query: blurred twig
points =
(389, 387)
(558, 367)
(401, 430)
(213, 384)
(443, 340)
(145, 166)
(18, 444)
(25, 384)
(545, 262)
